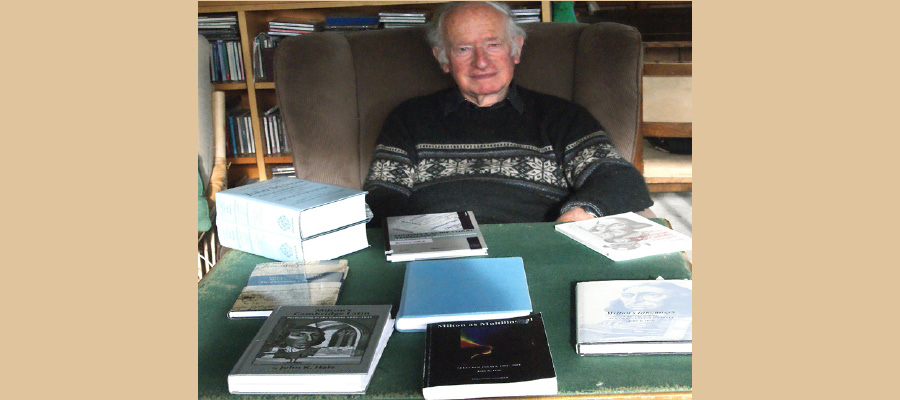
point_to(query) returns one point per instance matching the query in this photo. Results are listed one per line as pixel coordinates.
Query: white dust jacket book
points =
(634, 317)
(625, 236)
(430, 236)
(291, 206)
(297, 283)
(325, 349)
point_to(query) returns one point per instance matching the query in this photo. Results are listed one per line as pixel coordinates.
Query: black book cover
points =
(485, 352)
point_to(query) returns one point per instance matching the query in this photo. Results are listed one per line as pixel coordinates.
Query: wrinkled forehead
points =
(474, 23)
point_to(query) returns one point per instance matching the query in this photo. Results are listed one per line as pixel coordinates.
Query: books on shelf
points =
(313, 283)
(625, 236)
(350, 22)
(226, 61)
(428, 236)
(280, 247)
(294, 26)
(274, 133)
(264, 46)
(239, 133)
(493, 358)
(634, 317)
(283, 170)
(324, 349)
(291, 206)
(218, 27)
(402, 19)
(462, 289)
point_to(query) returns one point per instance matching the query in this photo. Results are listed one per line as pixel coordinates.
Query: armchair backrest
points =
(336, 89)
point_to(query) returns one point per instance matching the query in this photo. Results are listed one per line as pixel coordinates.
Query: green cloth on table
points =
(203, 222)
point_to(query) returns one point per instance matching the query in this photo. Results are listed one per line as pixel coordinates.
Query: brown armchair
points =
(336, 89)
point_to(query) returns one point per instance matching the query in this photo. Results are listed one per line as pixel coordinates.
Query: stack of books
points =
(239, 138)
(290, 219)
(218, 27)
(634, 317)
(625, 236)
(314, 349)
(283, 170)
(350, 22)
(428, 236)
(293, 27)
(465, 289)
(402, 19)
(273, 130)
(525, 15)
(297, 283)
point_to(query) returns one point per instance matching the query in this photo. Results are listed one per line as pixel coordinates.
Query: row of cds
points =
(239, 136)
(526, 15)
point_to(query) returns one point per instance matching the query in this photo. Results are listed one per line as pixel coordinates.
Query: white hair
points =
(435, 32)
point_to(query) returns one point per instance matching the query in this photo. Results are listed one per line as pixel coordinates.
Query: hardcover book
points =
(291, 206)
(316, 283)
(625, 236)
(327, 349)
(464, 289)
(634, 317)
(502, 357)
(428, 236)
(279, 247)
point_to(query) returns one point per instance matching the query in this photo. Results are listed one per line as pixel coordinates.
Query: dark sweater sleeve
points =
(392, 171)
(601, 181)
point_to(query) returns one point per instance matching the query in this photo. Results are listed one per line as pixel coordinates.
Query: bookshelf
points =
(257, 97)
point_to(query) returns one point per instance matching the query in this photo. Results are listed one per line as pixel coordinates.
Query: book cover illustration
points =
(308, 340)
(312, 283)
(625, 236)
(438, 235)
(634, 311)
(486, 353)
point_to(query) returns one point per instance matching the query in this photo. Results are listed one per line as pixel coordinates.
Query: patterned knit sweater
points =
(528, 158)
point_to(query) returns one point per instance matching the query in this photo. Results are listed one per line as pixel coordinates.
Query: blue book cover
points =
(351, 19)
(465, 289)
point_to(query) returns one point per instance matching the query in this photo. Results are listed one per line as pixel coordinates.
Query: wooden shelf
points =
(230, 86)
(264, 85)
(666, 129)
(665, 171)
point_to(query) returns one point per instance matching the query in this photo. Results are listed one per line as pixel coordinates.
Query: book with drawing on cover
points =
(500, 357)
(324, 349)
(462, 289)
(625, 236)
(324, 246)
(634, 317)
(314, 283)
(428, 236)
(291, 206)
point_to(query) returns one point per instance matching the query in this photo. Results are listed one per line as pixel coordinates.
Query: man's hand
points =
(574, 214)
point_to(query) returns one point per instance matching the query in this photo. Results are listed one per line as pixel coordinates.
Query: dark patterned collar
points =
(455, 99)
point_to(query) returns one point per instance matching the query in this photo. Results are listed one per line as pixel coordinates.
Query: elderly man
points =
(506, 153)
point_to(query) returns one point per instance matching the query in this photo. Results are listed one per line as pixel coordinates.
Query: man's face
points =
(643, 298)
(478, 48)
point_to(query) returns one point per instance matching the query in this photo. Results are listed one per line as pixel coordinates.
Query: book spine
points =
(266, 244)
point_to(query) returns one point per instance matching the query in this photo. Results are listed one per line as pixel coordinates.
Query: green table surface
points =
(553, 264)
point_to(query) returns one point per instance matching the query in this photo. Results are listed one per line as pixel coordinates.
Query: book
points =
(501, 357)
(310, 283)
(324, 349)
(350, 19)
(633, 317)
(625, 236)
(291, 206)
(280, 247)
(462, 289)
(427, 236)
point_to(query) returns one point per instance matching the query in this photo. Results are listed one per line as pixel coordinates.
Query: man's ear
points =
(520, 40)
(434, 51)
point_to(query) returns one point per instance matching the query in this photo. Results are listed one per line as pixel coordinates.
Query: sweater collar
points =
(455, 99)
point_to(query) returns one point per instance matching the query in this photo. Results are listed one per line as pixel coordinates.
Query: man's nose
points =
(481, 61)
